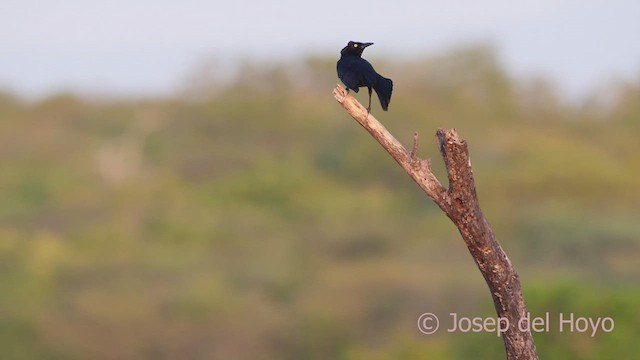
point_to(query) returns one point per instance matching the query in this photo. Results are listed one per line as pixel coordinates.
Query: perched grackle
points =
(356, 72)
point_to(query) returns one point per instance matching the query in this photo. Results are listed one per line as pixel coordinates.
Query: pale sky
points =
(148, 47)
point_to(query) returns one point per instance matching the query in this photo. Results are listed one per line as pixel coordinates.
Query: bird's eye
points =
(355, 45)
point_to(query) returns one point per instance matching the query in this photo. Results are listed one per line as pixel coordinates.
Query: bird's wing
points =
(369, 75)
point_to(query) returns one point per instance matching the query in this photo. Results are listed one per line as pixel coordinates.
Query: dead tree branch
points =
(460, 203)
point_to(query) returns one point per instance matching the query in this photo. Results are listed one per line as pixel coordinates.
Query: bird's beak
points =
(366, 44)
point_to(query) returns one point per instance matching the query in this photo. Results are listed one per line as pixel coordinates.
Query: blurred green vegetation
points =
(253, 219)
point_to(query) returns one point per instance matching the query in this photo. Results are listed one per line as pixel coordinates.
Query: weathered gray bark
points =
(460, 203)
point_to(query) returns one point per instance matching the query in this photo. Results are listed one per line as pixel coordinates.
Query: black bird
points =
(356, 72)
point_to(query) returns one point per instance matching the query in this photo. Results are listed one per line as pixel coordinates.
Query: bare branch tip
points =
(441, 138)
(414, 148)
(339, 93)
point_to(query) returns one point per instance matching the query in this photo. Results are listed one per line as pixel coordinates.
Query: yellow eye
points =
(355, 45)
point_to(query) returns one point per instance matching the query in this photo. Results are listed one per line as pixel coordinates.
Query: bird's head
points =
(354, 48)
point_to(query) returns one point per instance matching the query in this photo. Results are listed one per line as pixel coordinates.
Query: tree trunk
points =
(460, 203)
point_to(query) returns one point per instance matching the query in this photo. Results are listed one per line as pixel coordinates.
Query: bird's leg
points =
(369, 107)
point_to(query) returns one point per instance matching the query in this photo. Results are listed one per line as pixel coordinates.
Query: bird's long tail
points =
(383, 88)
